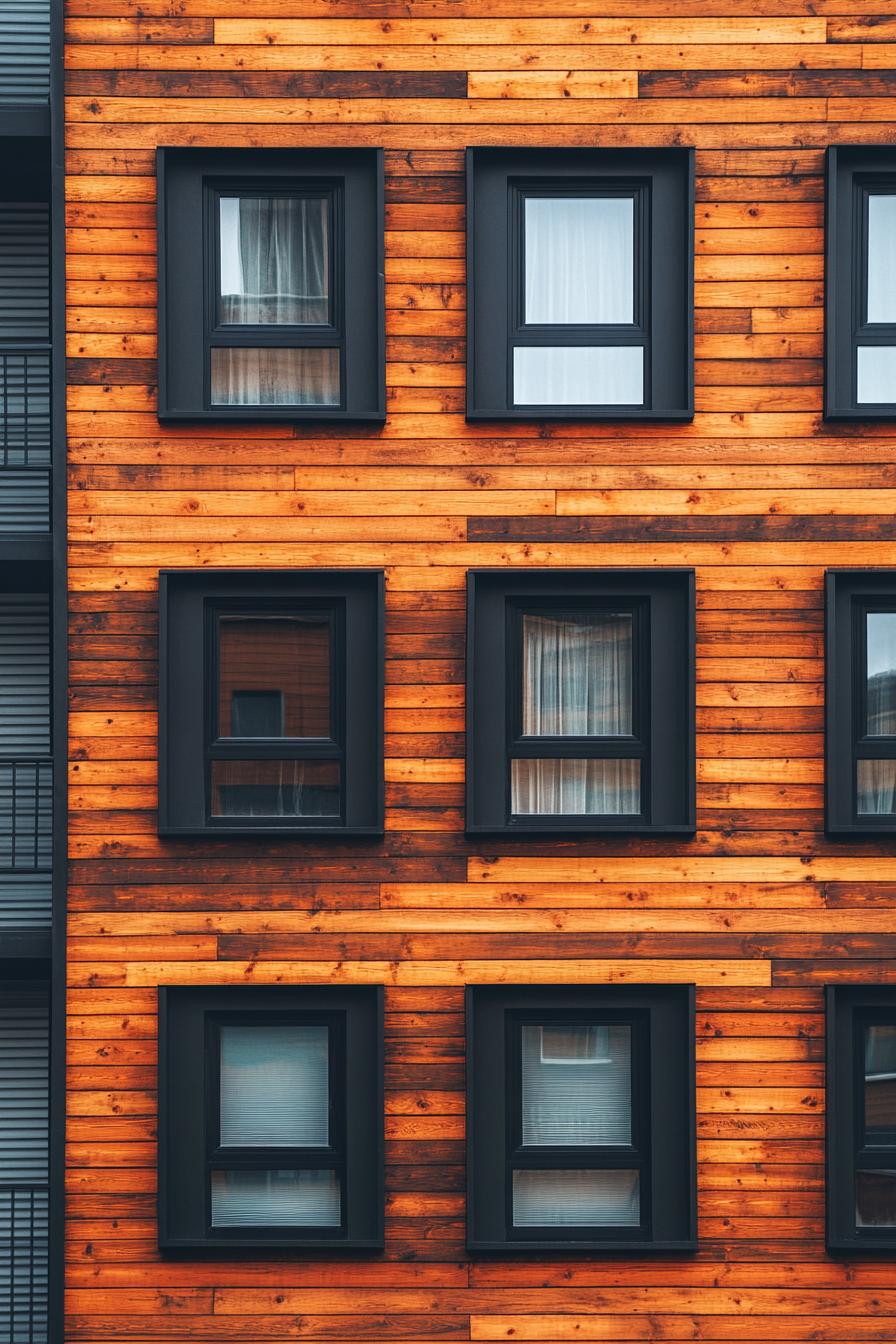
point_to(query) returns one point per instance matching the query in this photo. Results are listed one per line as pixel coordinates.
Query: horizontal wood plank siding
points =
(759, 909)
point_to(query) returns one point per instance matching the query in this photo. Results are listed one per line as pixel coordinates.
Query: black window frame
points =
(853, 171)
(662, 184)
(191, 603)
(190, 1017)
(189, 183)
(663, 1115)
(849, 595)
(663, 602)
(849, 1008)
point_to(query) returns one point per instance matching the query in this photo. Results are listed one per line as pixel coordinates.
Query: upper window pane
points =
(577, 675)
(881, 673)
(880, 1085)
(882, 258)
(274, 676)
(576, 1085)
(274, 260)
(579, 259)
(274, 1086)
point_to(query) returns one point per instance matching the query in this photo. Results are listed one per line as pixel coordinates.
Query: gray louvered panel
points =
(24, 51)
(24, 271)
(24, 675)
(24, 501)
(25, 901)
(24, 1095)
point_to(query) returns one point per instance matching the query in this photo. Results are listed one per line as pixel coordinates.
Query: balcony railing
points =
(26, 815)
(24, 1228)
(25, 438)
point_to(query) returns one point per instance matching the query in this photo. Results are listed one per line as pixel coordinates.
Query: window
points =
(860, 283)
(270, 284)
(580, 283)
(580, 1109)
(861, 1118)
(580, 700)
(271, 702)
(861, 701)
(270, 1117)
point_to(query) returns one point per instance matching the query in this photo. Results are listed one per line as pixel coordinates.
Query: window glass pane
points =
(274, 676)
(876, 788)
(580, 259)
(570, 787)
(876, 1198)
(275, 789)
(880, 1084)
(275, 376)
(274, 260)
(876, 374)
(577, 675)
(578, 375)
(576, 1085)
(881, 673)
(882, 258)
(576, 1199)
(275, 1086)
(275, 1199)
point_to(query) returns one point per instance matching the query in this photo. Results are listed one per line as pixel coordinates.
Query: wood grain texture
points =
(759, 909)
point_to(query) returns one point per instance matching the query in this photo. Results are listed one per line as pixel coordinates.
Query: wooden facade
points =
(758, 493)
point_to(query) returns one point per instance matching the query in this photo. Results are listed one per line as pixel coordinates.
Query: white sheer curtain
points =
(274, 260)
(576, 682)
(275, 376)
(881, 257)
(579, 259)
(276, 1198)
(876, 787)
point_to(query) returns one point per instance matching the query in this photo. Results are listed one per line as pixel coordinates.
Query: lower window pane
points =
(578, 375)
(275, 376)
(880, 1086)
(276, 1199)
(575, 788)
(876, 1199)
(876, 788)
(275, 789)
(576, 1199)
(876, 374)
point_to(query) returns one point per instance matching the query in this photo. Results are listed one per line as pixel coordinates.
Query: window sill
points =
(274, 415)
(281, 832)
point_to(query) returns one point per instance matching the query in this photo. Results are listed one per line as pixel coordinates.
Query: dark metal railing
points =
(26, 814)
(25, 406)
(24, 1236)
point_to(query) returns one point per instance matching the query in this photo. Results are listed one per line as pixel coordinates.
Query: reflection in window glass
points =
(274, 376)
(595, 787)
(882, 258)
(876, 788)
(579, 259)
(880, 1084)
(876, 1198)
(274, 260)
(578, 375)
(274, 674)
(292, 788)
(274, 1086)
(576, 1198)
(276, 1199)
(574, 1095)
(577, 675)
(881, 673)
